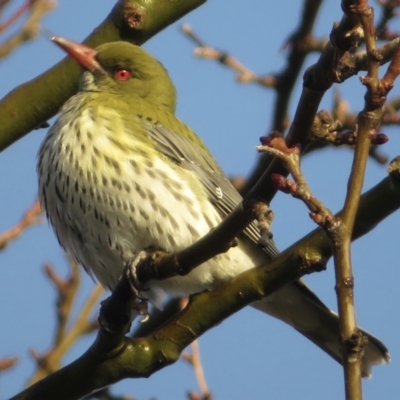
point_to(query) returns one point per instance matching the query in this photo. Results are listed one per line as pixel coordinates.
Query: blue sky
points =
(249, 355)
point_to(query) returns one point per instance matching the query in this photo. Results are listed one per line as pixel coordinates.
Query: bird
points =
(118, 173)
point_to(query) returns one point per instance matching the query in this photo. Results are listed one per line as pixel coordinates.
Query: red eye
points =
(122, 74)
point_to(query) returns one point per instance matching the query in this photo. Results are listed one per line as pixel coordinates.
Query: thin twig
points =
(66, 294)
(244, 74)
(7, 363)
(30, 217)
(37, 9)
(50, 361)
(194, 360)
(388, 13)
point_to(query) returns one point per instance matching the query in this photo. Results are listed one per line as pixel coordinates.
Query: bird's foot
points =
(126, 301)
(136, 285)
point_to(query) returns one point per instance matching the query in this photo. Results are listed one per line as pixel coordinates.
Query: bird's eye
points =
(122, 74)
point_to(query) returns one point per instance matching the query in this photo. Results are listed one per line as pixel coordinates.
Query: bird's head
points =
(122, 68)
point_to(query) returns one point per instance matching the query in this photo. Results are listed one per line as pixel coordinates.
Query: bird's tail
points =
(299, 307)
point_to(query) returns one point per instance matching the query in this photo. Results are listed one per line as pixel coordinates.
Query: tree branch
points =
(33, 103)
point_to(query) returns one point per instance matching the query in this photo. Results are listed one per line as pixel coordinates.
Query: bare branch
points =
(30, 217)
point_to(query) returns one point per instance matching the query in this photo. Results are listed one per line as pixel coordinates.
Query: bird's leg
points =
(131, 275)
(137, 287)
(126, 301)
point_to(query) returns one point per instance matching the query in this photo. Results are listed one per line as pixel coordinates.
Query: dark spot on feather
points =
(116, 183)
(208, 221)
(151, 173)
(58, 193)
(107, 160)
(176, 185)
(144, 214)
(173, 222)
(163, 176)
(117, 143)
(80, 237)
(126, 187)
(194, 213)
(171, 240)
(193, 231)
(142, 153)
(159, 228)
(177, 196)
(44, 198)
(140, 191)
(135, 166)
(82, 205)
(115, 165)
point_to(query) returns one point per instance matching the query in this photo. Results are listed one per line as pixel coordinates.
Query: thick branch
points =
(34, 102)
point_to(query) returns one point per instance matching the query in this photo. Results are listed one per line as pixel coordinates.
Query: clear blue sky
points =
(249, 355)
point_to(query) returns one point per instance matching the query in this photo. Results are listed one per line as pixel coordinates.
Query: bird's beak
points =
(84, 55)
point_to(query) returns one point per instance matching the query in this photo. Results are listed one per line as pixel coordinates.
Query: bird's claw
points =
(143, 310)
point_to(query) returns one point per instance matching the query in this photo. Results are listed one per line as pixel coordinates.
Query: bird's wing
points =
(220, 190)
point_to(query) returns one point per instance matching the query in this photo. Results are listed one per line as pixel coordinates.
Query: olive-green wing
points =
(197, 159)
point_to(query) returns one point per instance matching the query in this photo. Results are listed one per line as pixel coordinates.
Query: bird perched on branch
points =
(119, 173)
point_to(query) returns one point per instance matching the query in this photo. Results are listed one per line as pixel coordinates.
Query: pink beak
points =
(84, 55)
